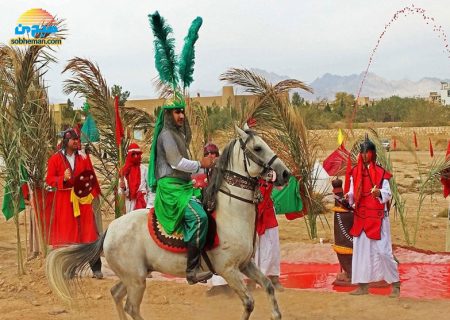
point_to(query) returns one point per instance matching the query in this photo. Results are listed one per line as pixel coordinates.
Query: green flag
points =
(288, 199)
(89, 130)
(7, 204)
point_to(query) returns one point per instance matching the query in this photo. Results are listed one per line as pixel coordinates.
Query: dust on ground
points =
(29, 296)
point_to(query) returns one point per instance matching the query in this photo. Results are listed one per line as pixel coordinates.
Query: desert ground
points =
(29, 296)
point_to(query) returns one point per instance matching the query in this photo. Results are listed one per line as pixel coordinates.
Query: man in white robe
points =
(369, 194)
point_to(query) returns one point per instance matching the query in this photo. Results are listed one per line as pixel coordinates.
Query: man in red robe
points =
(133, 180)
(370, 195)
(267, 253)
(72, 222)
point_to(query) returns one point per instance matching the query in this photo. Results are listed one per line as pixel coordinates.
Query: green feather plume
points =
(165, 58)
(187, 59)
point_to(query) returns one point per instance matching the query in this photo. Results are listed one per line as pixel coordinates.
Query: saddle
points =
(174, 242)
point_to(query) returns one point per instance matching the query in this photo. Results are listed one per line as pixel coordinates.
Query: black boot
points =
(193, 275)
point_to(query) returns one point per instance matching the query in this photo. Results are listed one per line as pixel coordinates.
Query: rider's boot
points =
(193, 274)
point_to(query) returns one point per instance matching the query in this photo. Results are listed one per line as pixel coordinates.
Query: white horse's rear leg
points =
(235, 281)
(135, 292)
(252, 271)
(118, 292)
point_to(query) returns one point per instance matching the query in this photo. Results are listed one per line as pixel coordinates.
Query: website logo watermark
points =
(36, 27)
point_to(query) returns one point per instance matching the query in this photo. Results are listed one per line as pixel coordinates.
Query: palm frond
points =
(187, 58)
(137, 118)
(165, 91)
(284, 129)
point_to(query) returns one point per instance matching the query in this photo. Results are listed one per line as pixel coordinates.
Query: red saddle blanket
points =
(174, 242)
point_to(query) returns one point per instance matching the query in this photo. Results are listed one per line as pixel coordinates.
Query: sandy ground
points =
(29, 296)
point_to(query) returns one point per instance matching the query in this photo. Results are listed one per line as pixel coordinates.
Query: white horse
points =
(131, 252)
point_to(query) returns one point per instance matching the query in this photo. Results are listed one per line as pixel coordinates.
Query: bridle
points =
(243, 182)
(250, 155)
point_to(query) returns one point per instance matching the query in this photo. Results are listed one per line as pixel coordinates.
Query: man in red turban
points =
(133, 180)
(370, 194)
(72, 212)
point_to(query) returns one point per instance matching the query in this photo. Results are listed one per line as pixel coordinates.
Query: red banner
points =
(119, 128)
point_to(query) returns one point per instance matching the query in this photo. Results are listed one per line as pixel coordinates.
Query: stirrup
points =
(195, 277)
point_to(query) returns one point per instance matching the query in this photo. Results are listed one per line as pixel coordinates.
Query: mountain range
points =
(375, 87)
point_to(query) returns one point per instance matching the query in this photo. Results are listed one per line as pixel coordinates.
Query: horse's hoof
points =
(276, 316)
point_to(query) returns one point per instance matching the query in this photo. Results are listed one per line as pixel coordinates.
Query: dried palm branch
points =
(197, 116)
(88, 82)
(137, 118)
(285, 131)
(26, 117)
(165, 91)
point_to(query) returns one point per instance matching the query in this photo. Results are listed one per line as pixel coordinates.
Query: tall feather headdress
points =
(173, 72)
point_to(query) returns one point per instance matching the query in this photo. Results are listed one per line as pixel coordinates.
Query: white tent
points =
(323, 180)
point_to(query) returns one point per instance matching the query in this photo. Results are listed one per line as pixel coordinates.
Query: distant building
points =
(57, 114)
(442, 96)
(434, 97)
(445, 93)
(228, 98)
(63, 116)
(362, 101)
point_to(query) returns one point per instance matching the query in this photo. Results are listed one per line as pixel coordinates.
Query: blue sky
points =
(300, 38)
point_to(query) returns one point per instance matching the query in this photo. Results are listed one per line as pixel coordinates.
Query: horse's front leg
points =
(234, 279)
(253, 272)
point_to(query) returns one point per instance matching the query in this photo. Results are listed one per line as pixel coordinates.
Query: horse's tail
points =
(64, 264)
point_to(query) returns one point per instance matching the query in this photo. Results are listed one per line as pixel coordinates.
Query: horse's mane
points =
(216, 179)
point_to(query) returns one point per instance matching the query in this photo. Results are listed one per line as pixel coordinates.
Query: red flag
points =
(295, 215)
(395, 144)
(335, 163)
(119, 128)
(415, 140)
(445, 175)
(431, 149)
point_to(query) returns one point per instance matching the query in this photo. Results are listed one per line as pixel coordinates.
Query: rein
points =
(248, 183)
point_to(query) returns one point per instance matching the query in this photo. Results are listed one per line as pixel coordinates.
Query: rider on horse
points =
(170, 173)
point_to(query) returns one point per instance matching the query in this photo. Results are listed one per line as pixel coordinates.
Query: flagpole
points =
(119, 135)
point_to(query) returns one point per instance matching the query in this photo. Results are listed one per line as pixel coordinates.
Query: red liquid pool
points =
(419, 280)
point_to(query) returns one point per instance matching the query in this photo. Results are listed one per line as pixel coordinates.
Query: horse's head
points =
(259, 158)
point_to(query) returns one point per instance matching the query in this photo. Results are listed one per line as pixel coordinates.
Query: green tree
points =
(343, 103)
(116, 90)
(297, 100)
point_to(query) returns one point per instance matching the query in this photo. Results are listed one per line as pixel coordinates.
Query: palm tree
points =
(88, 82)
(284, 129)
(26, 128)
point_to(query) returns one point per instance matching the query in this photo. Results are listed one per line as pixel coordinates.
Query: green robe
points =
(172, 198)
